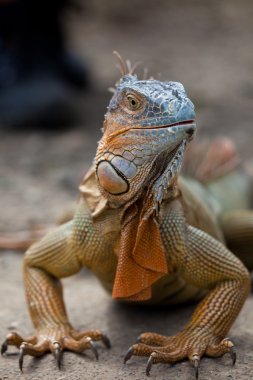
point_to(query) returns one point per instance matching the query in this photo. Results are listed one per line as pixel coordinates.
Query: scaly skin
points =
(147, 235)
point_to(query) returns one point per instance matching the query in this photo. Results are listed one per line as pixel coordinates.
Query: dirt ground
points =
(208, 47)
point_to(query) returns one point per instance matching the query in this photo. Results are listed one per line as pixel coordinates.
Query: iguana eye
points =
(132, 102)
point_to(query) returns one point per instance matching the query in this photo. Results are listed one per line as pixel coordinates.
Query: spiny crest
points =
(125, 66)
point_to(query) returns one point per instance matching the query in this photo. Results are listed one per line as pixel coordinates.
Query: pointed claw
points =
(129, 354)
(196, 368)
(94, 350)
(21, 357)
(138, 340)
(57, 353)
(106, 341)
(233, 354)
(58, 358)
(4, 347)
(149, 364)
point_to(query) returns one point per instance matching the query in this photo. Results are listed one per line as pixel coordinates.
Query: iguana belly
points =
(174, 290)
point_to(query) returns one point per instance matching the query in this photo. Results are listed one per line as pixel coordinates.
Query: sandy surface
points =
(207, 46)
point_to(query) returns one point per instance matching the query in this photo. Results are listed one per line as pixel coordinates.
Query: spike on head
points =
(125, 67)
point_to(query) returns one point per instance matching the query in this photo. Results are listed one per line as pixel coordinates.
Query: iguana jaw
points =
(159, 170)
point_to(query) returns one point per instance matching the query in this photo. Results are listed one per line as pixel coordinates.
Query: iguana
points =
(148, 234)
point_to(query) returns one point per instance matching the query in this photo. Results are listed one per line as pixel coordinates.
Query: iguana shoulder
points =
(200, 208)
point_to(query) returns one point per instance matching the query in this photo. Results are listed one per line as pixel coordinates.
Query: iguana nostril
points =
(190, 131)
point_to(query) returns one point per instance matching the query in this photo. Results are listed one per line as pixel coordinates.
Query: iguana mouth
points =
(185, 122)
(182, 122)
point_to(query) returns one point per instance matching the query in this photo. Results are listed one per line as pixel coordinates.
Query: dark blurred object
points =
(38, 75)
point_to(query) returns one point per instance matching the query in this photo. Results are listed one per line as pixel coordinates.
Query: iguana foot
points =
(187, 344)
(55, 340)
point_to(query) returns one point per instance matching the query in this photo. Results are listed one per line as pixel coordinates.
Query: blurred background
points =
(56, 65)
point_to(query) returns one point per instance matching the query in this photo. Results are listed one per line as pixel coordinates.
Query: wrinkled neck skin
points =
(134, 163)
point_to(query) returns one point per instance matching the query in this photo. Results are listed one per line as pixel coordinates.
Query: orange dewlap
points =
(141, 260)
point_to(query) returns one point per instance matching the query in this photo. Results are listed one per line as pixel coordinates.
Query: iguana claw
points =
(94, 350)
(196, 368)
(233, 354)
(106, 341)
(21, 357)
(57, 353)
(129, 354)
(4, 347)
(149, 365)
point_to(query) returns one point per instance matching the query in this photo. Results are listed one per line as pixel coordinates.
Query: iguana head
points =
(146, 129)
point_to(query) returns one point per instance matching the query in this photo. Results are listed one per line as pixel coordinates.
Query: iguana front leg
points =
(205, 263)
(56, 256)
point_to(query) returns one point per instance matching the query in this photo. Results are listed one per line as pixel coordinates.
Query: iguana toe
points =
(35, 350)
(185, 345)
(55, 340)
(155, 339)
(14, 339)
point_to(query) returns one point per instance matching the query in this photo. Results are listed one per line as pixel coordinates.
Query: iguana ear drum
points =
(110, 179)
